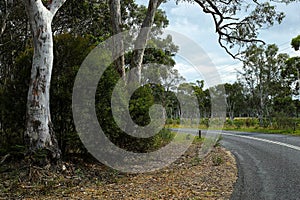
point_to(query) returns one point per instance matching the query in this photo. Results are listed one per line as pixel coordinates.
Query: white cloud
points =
(189, 19)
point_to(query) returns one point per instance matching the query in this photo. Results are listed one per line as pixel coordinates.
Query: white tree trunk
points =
(116, 21)
(141, 41)
(39, 133)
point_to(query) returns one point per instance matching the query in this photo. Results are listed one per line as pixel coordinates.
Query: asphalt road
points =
(268, 165)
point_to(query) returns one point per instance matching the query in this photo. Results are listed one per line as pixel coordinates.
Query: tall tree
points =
(39, 131)
(296, 42)
(118, 43)
(234, 99)
(262, 76)
(143, 36)
(292, 70)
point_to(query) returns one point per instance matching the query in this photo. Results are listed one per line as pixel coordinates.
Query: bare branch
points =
(235, 31)
(4, 158)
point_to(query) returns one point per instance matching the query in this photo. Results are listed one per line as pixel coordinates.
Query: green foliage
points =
(218, 142)
(195, 161)
(237, 30)
(282, 121)
(217, 160)
(235, 99)
(262, 80)
(296, 42)
(80, 25)
(203, 98)
(291, 72)
(13, 101)
(139, 105)
(69, 54)
(205, 122)
(238, 123)
(251, 122)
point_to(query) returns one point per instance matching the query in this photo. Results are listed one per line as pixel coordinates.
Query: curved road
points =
(268, 165)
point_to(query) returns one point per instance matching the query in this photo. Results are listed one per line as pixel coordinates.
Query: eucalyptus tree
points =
(292, 70)
(262, 77)
(141, 39)
(143, 36)
(39, 132)
(118, 43)
(16, 44)
(237, 22)
(291, 74)
(203, 98)
(296, 42)
(235, 99)
(89, 19)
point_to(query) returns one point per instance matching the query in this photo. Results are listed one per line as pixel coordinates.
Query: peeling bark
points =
(39, 132)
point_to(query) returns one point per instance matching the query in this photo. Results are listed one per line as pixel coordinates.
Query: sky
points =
(189, 20)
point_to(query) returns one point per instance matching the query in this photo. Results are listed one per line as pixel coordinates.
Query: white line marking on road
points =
(264, 140)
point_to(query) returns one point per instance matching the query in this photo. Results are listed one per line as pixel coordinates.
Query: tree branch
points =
(236, 31)
(55, 5)
(143, 35)
(118, 42)
(4, 158)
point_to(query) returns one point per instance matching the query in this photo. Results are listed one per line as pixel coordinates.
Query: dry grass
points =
(188, 178)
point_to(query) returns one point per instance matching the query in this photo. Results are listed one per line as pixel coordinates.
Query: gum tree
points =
(292, 70)
(262, 77)
(237, 22)
(39, 133)
(141, 40)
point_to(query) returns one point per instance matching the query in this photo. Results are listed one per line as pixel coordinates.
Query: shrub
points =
(217, 160)
(281, 121)
(238, 123)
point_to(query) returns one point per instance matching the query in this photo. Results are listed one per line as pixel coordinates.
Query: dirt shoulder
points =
(189, 177)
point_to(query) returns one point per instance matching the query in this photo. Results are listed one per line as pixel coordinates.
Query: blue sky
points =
(188, 19)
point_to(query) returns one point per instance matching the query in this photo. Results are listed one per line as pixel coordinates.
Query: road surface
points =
(268, 165)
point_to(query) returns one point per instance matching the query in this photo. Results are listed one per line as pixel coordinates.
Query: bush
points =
(281, 121)
(205, 122)
(139, 104)
(250, 122)
(229, 122)
(238, 123)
